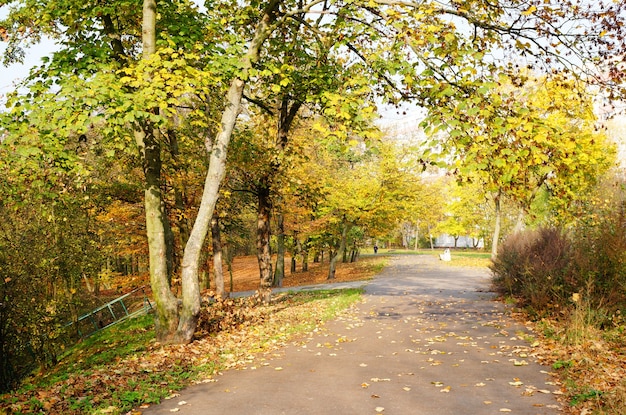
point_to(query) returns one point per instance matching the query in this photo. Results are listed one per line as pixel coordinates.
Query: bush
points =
(546, 267)
(533, 266)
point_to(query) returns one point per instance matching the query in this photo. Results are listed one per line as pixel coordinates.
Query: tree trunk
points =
(304, 250)
(147, 140)
(229, 265)
(179, 202)
(417, 237)
(496, 228)
(520, 223)
(279, 272)
(342, 247)
(217, 168)
(263, 243)
(166, 304)
(217, 256)
(430, 237)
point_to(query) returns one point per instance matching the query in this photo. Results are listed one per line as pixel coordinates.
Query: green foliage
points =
(47, 245)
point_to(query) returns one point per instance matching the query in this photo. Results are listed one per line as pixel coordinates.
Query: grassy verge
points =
(460, 257)
(123, 367)
(587, 355)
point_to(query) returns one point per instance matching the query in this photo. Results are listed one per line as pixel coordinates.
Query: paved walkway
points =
(427, 339)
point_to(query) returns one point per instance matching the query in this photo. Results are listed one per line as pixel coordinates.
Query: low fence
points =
(129, 305)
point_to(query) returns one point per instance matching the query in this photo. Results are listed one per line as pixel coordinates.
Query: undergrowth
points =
(572, 284)
(123, 367)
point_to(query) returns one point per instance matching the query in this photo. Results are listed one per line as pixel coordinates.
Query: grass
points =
(587, 357)
(122, 367)
(460, 257)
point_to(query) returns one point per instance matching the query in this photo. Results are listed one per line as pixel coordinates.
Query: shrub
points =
(532, 266)
(545, 267)
(599, 258)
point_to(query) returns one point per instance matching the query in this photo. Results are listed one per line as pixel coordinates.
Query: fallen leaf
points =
(379, 409)
(406, 388)
(446, 389)
(380, 380)
(505, 410)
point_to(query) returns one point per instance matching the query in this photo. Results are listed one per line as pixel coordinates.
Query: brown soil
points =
(246, 273)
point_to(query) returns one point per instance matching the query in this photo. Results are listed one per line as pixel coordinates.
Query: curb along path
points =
(427, 339)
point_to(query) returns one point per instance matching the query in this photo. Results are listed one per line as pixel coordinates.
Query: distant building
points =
(447, 241)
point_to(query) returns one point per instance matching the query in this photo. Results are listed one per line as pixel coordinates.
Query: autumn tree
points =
(517, 140)
(422, 51)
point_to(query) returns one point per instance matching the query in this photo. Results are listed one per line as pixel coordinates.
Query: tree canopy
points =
(166, 86)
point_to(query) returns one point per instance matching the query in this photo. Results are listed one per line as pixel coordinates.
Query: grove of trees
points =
(158, 123)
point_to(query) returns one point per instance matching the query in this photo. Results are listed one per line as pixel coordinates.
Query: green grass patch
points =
(122, 367)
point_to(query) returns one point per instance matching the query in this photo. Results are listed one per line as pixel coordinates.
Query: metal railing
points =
(111, 313)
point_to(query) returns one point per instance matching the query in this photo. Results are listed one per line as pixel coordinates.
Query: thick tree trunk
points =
(166, 304)
(294, 256)
(218, 270)
(147, 140)
(430, 237)
(179, 203)
(279, 272)
(263, 243)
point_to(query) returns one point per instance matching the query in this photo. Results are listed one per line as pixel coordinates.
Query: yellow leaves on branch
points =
(530, 10)
(167, 79)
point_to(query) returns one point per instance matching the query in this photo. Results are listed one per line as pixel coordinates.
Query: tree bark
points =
(279, 272)
(262, 243)
(342, 247)
(417, 237)
(217, 169)
(218, 270)
(496, 228)
(304, 250)
(146, 138)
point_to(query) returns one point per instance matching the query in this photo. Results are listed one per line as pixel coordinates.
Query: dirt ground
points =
(246, 273)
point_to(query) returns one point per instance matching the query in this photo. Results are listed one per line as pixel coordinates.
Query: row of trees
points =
(271, 104)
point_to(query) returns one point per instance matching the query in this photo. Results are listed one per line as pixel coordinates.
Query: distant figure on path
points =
(375, 248)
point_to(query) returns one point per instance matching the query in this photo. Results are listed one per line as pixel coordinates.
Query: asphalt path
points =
(426, 339)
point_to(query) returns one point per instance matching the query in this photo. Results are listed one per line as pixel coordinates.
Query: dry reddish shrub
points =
(533, 266)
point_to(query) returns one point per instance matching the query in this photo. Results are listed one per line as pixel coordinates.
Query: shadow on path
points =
(427, 339)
